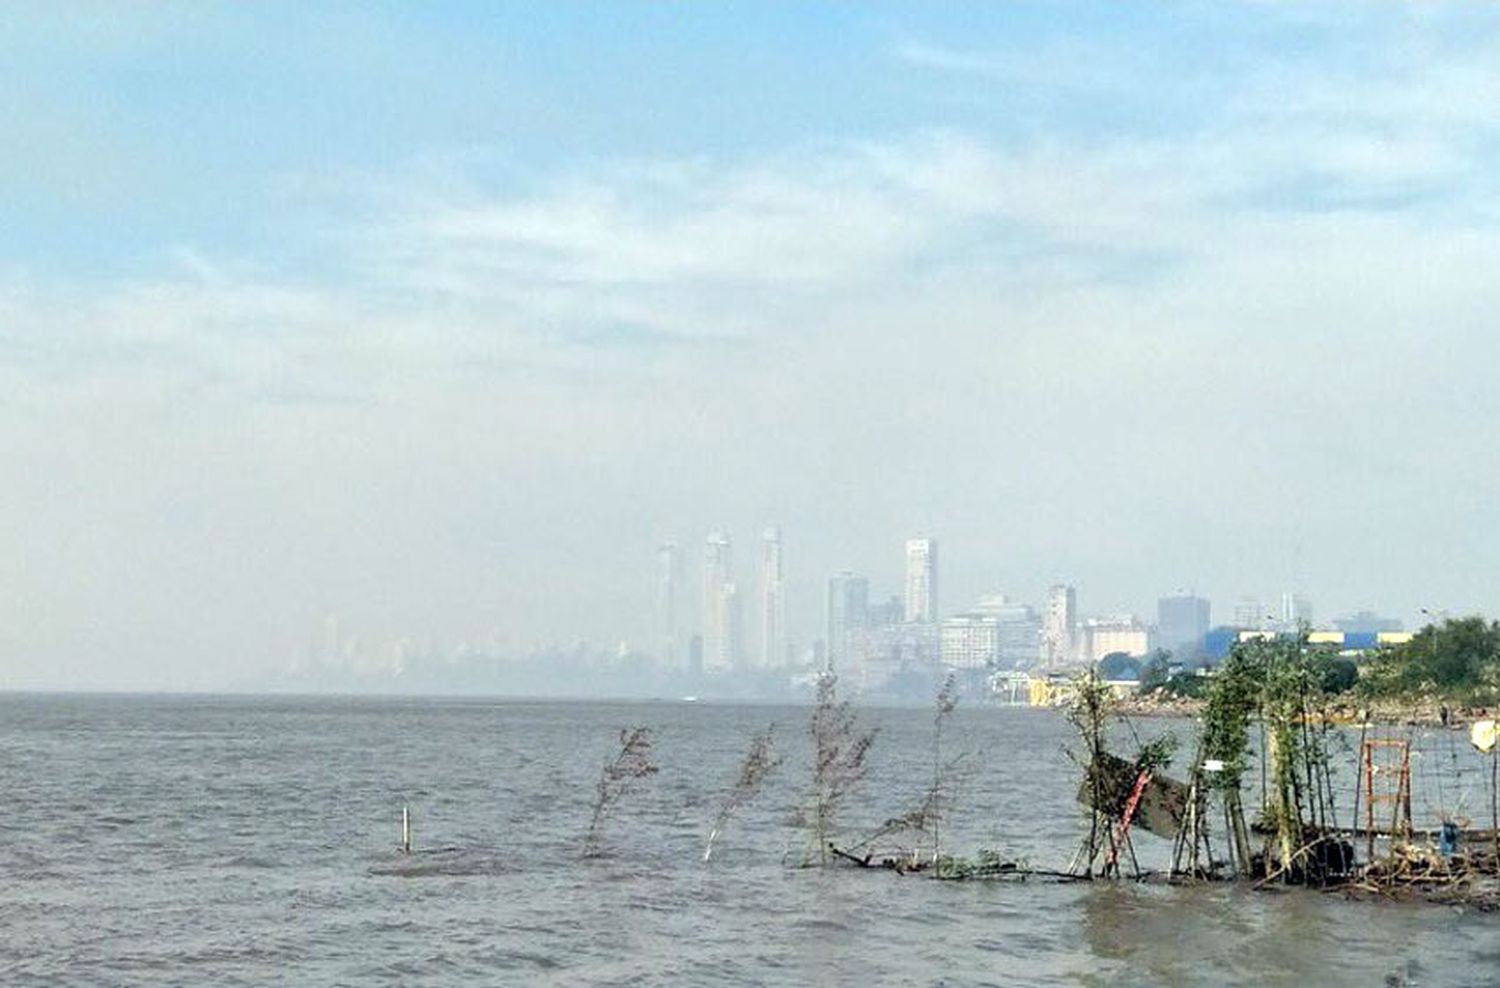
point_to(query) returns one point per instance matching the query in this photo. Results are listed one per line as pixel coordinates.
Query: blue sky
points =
(297, 304)
(136, 127)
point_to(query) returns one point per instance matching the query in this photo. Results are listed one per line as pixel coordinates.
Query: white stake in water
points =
(405, 830)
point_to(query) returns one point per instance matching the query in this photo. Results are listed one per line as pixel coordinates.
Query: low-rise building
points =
(1121, 633)
(970, 641)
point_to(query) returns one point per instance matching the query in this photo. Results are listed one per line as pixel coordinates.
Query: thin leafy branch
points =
(939, 793)
(620, 775)
(840, 753)
(760, 761)
(949, 775)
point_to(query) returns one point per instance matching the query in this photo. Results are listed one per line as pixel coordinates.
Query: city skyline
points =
(865, 637)
(1059, 631)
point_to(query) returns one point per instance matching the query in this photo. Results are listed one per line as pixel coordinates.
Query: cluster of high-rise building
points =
(720, 644)
(856, 627)
(870, 641)
(873, 639)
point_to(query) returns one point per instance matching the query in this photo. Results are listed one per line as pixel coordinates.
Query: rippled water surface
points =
(205, 841)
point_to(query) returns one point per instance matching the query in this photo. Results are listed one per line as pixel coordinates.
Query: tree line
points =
(1457, 661)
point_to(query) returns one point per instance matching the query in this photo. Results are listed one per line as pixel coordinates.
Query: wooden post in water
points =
(405, 829)
(1240, 836)
(1367, 765)
(1359, 785)
(1229, 841)
(1495, 802)
(1193, 826)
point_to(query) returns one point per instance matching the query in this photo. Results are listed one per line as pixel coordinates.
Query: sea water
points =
(254, 841)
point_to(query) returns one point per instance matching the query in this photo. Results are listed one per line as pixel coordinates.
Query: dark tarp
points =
(1163, 804)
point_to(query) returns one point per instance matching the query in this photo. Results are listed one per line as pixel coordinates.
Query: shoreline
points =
(1419, 713)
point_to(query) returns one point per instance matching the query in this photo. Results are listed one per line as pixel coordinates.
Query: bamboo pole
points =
(1193, 826)
(1094, 768)
(1368, 758)
(1229, 841)
(1242, 834)
(1406, 786)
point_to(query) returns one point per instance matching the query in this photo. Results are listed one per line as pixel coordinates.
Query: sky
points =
(441, 317)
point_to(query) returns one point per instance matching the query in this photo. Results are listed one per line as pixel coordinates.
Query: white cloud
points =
(1069, 65)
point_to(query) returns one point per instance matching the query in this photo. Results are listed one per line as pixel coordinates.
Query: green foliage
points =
(985, 864)
(1233, 699)
(1335, 673)
(1093, 703)
(1119, 665)
(1290, 686)
(1156, 672)
(1156, 754)
(1459, 659)
(1187, 684)
(1285, 684)
(1092, 706)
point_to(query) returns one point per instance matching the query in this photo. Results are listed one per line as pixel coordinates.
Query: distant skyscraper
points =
(1058, 626)
(717, 574)
(1182, 624)
(772, 601)
(921, 580)
(732, 648)
(1296, 611)
(1248, 615)
(668, 576)
(848, 611)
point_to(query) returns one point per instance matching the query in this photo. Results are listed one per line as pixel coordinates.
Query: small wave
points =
(35, 875)
(819, 924)
(520, 958)
(447, 862)
(118, 821)
(250, 861)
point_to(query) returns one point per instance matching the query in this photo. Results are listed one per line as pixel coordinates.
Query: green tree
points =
(1119, 665)
(1335, 674)
(1459, 658)
(1280, 682)
(1188, 684)
(1156, 670)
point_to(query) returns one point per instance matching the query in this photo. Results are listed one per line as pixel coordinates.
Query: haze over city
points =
(442, 322)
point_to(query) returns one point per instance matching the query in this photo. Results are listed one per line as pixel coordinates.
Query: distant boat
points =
(690, 699)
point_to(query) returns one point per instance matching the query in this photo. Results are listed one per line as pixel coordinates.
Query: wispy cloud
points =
(650, 255)
(1074, 65)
